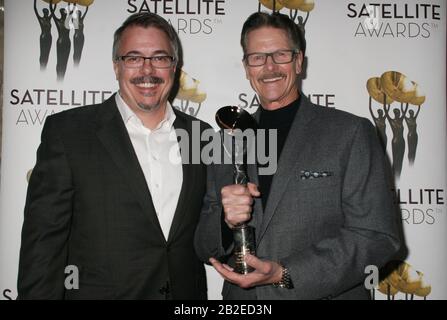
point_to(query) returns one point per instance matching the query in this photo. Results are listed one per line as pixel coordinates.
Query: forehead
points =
(140, 39)
(267, 38)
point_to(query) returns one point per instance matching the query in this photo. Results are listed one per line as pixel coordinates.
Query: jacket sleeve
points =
(47, 218)
(369, 235)
(213, 238)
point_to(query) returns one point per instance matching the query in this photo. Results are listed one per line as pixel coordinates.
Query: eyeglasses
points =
(161, 62)
(258, 59)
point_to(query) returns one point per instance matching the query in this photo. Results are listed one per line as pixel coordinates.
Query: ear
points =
(299, 62)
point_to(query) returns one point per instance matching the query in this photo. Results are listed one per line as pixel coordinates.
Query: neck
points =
(274, 105)
(151, 119)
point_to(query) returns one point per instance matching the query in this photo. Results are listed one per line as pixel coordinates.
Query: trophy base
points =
(240, 265)
(244, 243)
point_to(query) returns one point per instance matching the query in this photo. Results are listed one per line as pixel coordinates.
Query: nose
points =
(269, 64)
(147, 66)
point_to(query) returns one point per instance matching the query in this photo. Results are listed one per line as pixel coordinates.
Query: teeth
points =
(146, 85)
(272, 79)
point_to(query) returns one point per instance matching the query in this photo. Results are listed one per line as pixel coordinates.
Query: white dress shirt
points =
(158, 153)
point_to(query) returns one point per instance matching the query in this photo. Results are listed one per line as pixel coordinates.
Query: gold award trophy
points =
(234, 121)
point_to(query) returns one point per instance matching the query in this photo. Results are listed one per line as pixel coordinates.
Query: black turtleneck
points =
(280, 119)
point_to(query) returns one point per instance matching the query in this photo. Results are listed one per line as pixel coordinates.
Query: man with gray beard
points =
(109, 213)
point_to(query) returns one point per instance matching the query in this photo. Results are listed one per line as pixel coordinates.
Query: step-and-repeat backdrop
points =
(385, 61)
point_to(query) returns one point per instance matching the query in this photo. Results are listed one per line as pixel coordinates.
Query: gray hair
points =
(146, 20)
(275, 20)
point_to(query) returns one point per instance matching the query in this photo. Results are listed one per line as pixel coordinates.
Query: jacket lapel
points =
(188, 184)
(290, 156)
(113, 134)
(258, 210)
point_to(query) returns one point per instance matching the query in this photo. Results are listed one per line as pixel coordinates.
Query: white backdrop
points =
(343, 53)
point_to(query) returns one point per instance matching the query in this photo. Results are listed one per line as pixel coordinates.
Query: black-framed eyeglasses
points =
(258, 59)
(161, 62)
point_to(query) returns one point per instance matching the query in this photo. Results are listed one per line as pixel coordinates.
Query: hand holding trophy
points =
(234, 121)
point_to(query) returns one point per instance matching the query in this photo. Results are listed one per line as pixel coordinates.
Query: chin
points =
(148, 107)
(273, 99)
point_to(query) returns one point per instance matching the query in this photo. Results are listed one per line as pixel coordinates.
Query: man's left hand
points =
(266, 272)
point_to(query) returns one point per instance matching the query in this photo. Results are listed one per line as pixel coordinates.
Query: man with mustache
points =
(326, 213)
(111, 207)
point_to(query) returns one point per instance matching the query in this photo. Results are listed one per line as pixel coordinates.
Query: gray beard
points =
(149, 107)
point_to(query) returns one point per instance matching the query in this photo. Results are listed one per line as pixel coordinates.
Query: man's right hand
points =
(237, 201)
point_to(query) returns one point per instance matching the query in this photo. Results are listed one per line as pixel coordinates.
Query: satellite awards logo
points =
(392, 87)
(190, 92)
(395, 19)
(69, 18)
(405, 279)
(293, 5)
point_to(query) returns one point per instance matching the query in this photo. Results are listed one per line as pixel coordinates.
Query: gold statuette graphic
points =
(390, 87)
(69, 19)
(84, 3)
(404, 279)
(292, 5)
(397, 86)
(419, 97)
(387, 288)
(274, 5)
(302, 5)
(190, 91)
(374, 87)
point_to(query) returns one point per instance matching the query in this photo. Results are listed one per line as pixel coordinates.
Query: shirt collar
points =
(129, 116)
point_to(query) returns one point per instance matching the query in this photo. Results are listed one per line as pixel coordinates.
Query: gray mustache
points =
(150, 79)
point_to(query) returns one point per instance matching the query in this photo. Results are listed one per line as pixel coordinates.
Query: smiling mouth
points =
(270, 80)
(146, 85)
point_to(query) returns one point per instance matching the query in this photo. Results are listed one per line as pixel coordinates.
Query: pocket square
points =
(308, 174)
